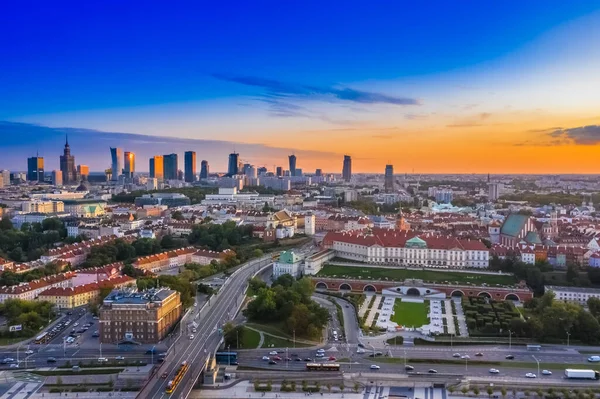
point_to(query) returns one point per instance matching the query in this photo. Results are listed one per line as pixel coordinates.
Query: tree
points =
(328, 385)
(342, 386)
(464, 390)
(475, 390)
(572, 273)
(489, 391)
(5, 224)
(111, 383)
(285, 280)
(59, 381)
(594, 306)
(356, 387)
(177, 215)
(451, 389)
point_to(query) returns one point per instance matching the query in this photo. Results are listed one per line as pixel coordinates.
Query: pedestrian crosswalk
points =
(22, 390)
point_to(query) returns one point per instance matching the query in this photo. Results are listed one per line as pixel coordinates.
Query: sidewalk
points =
(245, 389)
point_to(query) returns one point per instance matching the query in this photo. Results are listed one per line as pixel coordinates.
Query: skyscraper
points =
(232, 167)
(67, 165)
(318, 172)
(129, 169)
(279, 171)
(190, 166)
(389, 178)
(117, 163)
(157, 169)
(35, 168)
(83, 171)
(347, 169)
(292, 165)
(171, 166)
(57, 178)
(204, 169)
(261, 170)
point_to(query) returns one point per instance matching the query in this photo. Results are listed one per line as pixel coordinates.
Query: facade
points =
(190, 166)
(116, 155)
(347, 168)
(83, 171)
(171, 166)
(67, 165)
(72, 297)
(578, 295)
(233, 164)
(517, 228)
(204, 170)
(35, 169)
(288, 263)
(139, 317)
(31, 290)
(179, 257)
(168, 199)
(279, 171)
(129, 169)
(494, 191)
(85, 208)
(157, 168)
(389, 178)
(57, 178)
(406, 248)
(43, 206)
(292, 159)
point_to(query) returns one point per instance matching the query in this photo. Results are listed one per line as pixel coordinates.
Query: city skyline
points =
(434, 91)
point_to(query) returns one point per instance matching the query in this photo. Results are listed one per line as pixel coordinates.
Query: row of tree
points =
(9, 278)
(195, 194)
(31, 315)
(547, 199)
(288, 301)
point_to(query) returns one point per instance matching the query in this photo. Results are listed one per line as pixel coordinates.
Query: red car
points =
(276, 358)
(332, 358)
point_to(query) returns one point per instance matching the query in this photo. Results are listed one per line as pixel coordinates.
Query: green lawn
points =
(250, 339)
(410, 314)
(280, 343)
(437, 276)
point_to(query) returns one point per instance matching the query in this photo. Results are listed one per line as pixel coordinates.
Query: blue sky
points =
(265, 72)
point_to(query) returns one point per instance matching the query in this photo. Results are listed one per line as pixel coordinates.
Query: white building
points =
(288, 263)
(578, 295)
(43, 206)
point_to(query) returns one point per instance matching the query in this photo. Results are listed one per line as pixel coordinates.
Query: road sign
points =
(17, 327)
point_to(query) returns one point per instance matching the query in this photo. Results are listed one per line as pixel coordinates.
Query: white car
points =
(192, 336)
(265, 358)
(360, 350)
(29, 352)
(321, 350)
(273, 353)
(14, 366)
(594, 359)
(546, 372)
(120, 358)
(75, 325)
(494, 371)
(375, 367)
(456, 355)
(530, 375)
(465, 357)
(320, 355)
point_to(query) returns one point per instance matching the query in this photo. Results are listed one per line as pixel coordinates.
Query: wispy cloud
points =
(584, 135)
(382, 136)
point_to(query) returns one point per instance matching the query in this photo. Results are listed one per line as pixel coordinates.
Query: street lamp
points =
(538, 364)
(451, 335)
(509, 339)
(568, 338)
(466, 364)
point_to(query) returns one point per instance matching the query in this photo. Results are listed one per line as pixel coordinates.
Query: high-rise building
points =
(157, 168)
(57, 176)
(232, 167)
(129, 168)
(190, 166)
(5, 177)
(171, 166)
(67, 165)
(83, 171)
(245, 168)
(204, 169)
(261, 170)
(35, 168)
(389, 178)
(117, 163)
(318, 173)
(279, 171)
(292, 165)
(347, 169)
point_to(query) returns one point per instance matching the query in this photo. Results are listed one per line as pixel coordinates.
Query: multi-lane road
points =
(211, 318)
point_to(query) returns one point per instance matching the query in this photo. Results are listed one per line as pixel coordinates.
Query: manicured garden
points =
(488, 317)
(410, 314)
(435, 276)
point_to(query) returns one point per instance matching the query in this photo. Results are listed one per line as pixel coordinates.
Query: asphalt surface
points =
(219, 310)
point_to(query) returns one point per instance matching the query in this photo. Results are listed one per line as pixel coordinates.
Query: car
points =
(360, 350)
(494, 371)
(332, 359)
(294, 355)
(319, 355)
(456, 355)
(120, 358)
(51, 360)
(102, 360)
(546, 372)
(151, 351)
(272, 362)
(194, 330)
(266, 358)
(75, 324)
(278, 358)
(28, 352)
(91, 323)
(235, 363)
(594, 359)
(321, 350)
(409, 368)
(530, 375)
(361, 345)
(14, 366)
(8, 360)
(308, 359)
(347, 306)
(96, 334)
(465, 357)
(479, 354)
(375, 367)
(164, 375)
(432, 371)
(273, 353)
(297, 359)
(288, 359)
(191, 336)
(509, 357)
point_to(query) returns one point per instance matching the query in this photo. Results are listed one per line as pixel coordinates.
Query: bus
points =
(226, 357)
(534, 347)
(322, 367)
(42, 338)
